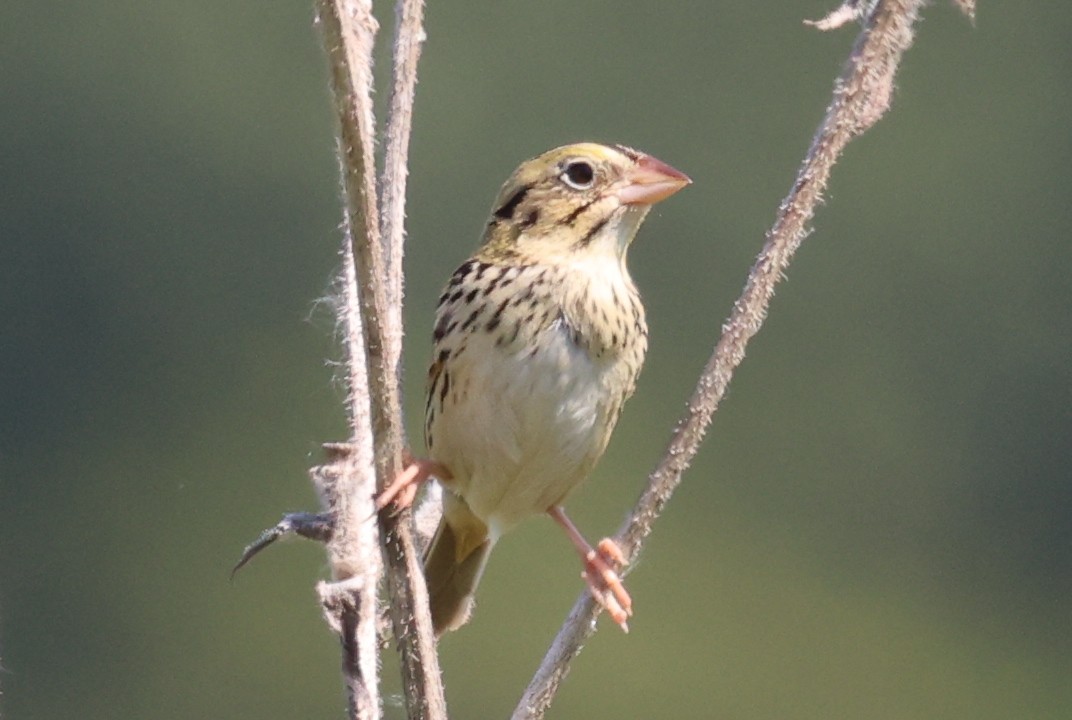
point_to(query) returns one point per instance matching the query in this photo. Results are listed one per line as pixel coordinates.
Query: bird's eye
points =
(578, 174)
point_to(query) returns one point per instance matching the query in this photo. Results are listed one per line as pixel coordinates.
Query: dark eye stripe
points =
(507, 210)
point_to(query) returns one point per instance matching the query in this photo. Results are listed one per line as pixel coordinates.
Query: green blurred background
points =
(880, 522)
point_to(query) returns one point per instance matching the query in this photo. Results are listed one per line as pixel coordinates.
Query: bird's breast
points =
(521, 413)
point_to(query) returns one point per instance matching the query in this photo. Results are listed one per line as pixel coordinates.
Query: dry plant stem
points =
(348, 484)
(861, 96)
(349, 31)
(410, 616)
(349, 601)
(409, 36)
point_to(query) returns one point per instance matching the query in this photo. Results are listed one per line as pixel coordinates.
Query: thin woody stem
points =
(409, 37)
(862, 95)
(410, 617)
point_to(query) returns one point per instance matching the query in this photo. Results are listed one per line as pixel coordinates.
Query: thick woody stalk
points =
(349, 31)
(862, 95)
(349, 482)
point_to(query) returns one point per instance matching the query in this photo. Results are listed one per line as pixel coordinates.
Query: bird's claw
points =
(601, 574)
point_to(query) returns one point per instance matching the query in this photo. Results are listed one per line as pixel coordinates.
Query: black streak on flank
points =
(490, 288)
(445, 388)
(471, 319)
(591, 234)
(507, 210)
(461, 272)
(497, 317)
(441, 327)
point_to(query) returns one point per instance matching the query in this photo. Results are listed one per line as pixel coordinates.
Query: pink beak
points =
(650, 181)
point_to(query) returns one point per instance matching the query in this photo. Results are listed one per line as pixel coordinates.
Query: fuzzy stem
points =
(349, 31)
(409, 36)
(862, 95)
(410, 617)
(351, 605)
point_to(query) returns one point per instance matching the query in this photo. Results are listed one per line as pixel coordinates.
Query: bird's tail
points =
(454, 562)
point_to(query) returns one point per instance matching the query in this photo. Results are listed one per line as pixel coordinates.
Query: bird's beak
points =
(649, 181)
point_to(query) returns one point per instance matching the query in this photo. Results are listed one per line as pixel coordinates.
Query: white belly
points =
(524, 428)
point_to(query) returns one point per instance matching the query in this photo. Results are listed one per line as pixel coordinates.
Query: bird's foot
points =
(403, 489)
(601, 567)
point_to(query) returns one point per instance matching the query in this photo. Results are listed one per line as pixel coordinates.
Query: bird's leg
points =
(601, 566)
(403, 489)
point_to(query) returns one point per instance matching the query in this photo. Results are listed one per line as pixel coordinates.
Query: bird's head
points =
(575, 201)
